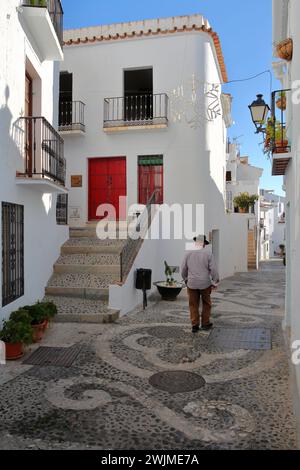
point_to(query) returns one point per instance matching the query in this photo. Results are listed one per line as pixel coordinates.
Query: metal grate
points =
(12, 252)
(241, 338)
(62, 209)
(56, 357)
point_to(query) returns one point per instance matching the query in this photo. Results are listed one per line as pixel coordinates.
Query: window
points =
(62, 209)
(151, 176)
(65, 99)
(228, 177)
(12, 252)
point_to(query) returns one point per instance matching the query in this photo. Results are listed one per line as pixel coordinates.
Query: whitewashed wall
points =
(42, 236)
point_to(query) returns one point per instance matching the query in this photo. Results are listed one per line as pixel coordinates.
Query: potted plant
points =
(51, 311)
(15, 334)
(244, 201)
(284, 49)
(170, 288)
(281, 101)
(39, 320)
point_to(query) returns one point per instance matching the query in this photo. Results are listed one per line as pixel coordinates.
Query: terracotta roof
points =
(147, 28)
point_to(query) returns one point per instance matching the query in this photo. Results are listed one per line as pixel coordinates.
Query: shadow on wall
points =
(11, 138)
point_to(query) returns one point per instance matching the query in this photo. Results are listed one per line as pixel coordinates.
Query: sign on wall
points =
(76, 181)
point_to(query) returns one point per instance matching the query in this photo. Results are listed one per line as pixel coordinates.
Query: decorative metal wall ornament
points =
(196, 102)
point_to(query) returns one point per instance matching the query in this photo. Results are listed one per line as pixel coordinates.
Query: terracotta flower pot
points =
(38, 332)
(243, 210)
(14, 351)
(281, 104)
(281, 146)
(285, 49)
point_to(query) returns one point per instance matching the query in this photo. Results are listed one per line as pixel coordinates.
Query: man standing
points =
(200, 273)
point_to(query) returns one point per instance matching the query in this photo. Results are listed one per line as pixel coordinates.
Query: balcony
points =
(136, 112)
(44, 21)
(71, 118)
(277, 142)
(43, 156)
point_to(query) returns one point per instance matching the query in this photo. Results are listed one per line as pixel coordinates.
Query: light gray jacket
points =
(199, 269)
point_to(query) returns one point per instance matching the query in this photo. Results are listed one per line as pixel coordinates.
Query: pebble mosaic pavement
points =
(105, 400)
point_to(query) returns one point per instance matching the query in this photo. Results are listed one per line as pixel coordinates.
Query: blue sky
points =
(245, 29)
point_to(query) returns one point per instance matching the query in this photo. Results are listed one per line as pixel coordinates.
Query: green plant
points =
(21, 316)
(38, 3)
(244, 200)
(14, 332)
(38, 313)
(169, 272)
(51, 309)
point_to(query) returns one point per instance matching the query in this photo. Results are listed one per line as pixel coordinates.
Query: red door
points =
(107, 182)
(150, 180)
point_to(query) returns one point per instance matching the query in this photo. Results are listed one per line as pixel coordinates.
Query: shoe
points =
(207, 327)
(195, 329)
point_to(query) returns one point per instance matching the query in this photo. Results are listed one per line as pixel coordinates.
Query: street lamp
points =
(259, 112)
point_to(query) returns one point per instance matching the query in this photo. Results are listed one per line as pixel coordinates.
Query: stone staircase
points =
(251, 251)
(81, 277)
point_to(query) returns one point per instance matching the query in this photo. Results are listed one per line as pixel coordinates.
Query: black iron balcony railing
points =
(43, 150)
(71, 115)
(55, 11)
(135, 110)
(276, 136)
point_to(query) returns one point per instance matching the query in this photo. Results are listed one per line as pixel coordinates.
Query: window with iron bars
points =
(62, 209)
(12, 252)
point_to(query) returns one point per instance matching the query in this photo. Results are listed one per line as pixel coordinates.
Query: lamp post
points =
(259, 113)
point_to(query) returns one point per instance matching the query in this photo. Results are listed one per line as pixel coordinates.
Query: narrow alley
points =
(146, 382)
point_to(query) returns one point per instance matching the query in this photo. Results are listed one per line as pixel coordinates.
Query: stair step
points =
(91, 233)
(74, 310)
(81, 281)
(92, 246)
(85, 268)
(78, 292)
(96, 259)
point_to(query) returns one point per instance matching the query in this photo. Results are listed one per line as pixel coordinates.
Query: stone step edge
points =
(78, 292)
(99, 318)
(86, 268)
(90, 249)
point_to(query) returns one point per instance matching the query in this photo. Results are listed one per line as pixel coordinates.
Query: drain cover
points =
(57, 357)
(241, 338)
(177, 381)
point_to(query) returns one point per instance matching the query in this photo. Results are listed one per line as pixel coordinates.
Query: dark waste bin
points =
(143, 281)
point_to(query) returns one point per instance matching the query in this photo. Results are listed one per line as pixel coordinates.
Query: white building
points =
(31, 153)
(141, 109)
(286, 40)
(272, 224)
(242, 177)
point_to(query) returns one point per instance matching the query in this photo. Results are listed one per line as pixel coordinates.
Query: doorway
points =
(138, 94)
(151, 179)
(28, 124)
(107, 183)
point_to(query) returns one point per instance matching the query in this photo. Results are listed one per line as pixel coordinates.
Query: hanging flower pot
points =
(285, 49)
(281, 103)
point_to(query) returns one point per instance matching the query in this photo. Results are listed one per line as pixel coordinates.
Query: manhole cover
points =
(57, 357)
(177, 381)
(164, 332)
(241, 338)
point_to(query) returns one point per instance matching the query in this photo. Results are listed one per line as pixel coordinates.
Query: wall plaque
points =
(76, 181)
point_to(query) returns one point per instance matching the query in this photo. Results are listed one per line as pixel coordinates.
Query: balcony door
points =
(28, 124)
(138, 95)
(107, 183)
(65, 99)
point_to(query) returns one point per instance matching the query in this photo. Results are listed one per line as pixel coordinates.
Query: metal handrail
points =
(132, 246)
(71, 113)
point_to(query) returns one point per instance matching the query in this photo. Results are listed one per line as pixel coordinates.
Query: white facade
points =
(272, 223)
(286, 25)
(188, 68)
(24, 50)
